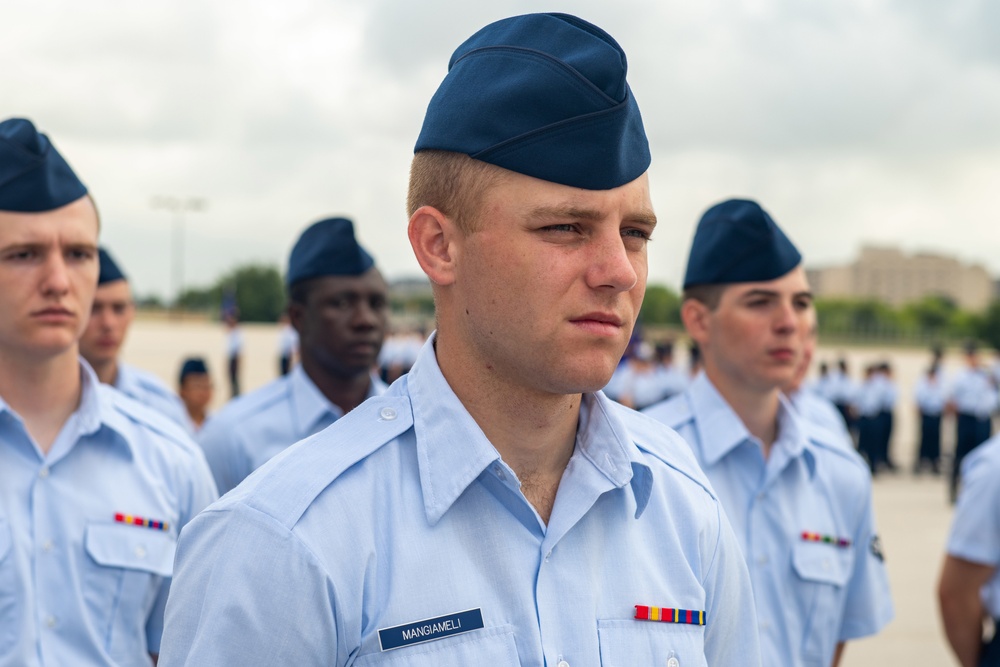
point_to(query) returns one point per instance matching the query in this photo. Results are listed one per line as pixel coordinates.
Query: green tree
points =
(989, 325)
(932, 314)
(259, 289)
(661, 305)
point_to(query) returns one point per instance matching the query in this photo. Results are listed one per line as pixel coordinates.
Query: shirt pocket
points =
(486, 646)
(627, 643)
(824, 571)
(10, 616)
(127, 566)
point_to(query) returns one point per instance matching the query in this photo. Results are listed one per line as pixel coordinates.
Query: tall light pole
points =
(178, 206)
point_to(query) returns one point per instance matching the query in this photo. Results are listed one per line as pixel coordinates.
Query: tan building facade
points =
(887, 274)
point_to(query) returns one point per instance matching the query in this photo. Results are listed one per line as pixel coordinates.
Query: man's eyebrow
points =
(566, 212)
(588, 214)
(758, 292)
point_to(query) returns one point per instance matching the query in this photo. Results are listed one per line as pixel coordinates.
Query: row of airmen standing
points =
(867, 408)
(493, 505)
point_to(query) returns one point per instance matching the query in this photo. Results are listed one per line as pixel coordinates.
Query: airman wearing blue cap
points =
(195, 388)
(799, 500)
(493, 507)
(102, 340)
(94, 487)
(339, 305)
(969, 587)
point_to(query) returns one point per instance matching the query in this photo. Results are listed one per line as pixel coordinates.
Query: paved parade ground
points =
(912, 512)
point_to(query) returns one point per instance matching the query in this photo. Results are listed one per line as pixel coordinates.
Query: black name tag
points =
(430, 629)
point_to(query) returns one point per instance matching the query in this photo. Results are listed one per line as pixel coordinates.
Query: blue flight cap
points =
(544, 95)
(33, 176)
(109, 269)
(738, 242)
(193, 366)
(327, 248)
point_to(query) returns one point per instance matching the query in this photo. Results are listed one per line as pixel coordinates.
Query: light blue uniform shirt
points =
(403, 511)
(973, 393)
(76, 586)
(810, 595)
(930, 395)
(975, 528)
(870, 397)
(251, 429)
(820, 411)
(150, 390)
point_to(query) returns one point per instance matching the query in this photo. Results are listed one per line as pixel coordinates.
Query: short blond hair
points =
(453, 183)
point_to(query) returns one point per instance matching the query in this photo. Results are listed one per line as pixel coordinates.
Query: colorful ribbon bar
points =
(841, 542)
(139, 521)
(667, 615)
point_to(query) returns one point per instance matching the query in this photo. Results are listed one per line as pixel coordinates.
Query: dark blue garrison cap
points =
(738, 242)
(109, 269)
(543, 95)
(327, 248)
(193, 366)
(33, 176)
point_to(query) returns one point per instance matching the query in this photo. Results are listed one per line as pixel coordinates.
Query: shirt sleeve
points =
(868, 606)
(975, 528)
(221, 447)
(247, 592)
(198, 491)
(731, 627)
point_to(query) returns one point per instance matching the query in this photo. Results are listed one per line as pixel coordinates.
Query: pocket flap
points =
(131, 547)
(824, 563)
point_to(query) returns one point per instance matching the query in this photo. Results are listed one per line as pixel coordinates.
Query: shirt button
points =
(563, 663)
(826, 565)
(387, 414)
(762, 560)
(140, 552)
(43, 473)
(765, 626)
(47, 546)
(50, 621)
(673, 662)
(499, 472)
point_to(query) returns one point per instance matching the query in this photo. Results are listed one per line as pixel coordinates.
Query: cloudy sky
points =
(852, 121)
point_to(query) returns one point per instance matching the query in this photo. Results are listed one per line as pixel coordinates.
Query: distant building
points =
(887, 274)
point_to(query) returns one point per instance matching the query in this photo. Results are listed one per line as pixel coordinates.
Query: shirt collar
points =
(126, 381)
(453, 451)
(721, 430)
(309, 405)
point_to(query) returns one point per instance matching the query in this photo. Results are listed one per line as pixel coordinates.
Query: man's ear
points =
(433, 238)
(695, 315)
(296, 311)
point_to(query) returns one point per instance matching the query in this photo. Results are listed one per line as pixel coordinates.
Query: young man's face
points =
(343, 322)
(48, 275)
(196, 392)
(757, 335)
(110, 317)
(548, 288)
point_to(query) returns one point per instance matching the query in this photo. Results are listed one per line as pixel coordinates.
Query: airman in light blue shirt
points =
(969, 589)
(811, 593)
(101, 343)
(799, 500)
(403, 511)
(94, 486)
(88, 530)
(339, 304)
(150, 390)
(493, 507)
(254, 427)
